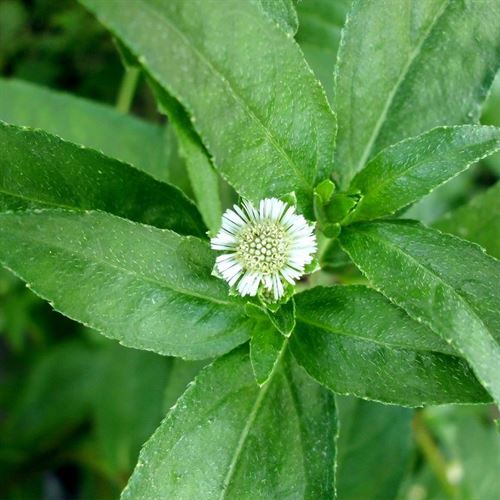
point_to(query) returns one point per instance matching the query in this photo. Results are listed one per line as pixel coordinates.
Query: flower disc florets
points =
(266, 247)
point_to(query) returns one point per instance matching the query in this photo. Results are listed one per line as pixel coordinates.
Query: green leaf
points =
(445, 198)
(228, 437)
(87, 123)
(55, 398)
(251, 96)
(340, 207)
(283, 13)
(149, 288)
(446, 283)
(127, 403)
(266, 346)
(409, 67)
(373, 449)
(354, 341)
(202, 176)
(478, 221)
(181, 373)
(490, 115)
(334, 257)
(40, 170)
(177, 172)
(407, 171)
(320, 25)
(283, 318)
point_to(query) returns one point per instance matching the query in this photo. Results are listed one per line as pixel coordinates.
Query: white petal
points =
(253, 214)
(249, 284)
(235, 216)
(225, 262)
(242, 214)
(229, 226)
(290, 275)
(278, 207)
(288, 216)
(278, 287)
(262, 209)
(232, 281)
(268, 282)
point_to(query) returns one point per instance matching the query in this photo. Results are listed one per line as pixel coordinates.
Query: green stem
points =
(127, 88)
(433, 455)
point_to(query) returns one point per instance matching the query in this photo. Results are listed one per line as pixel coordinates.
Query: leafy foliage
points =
(262, 434)
(427, 41)
(411, 264)
(360, 114)
(136, 282)
(270, 153)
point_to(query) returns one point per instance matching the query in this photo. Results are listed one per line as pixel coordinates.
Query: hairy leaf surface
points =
(282, 12)
(258, 108)
(228, 438)
(86, 122)
(146, 287)
(266, 346)
(446, 283)
(406, 66)
(403, 173)
(354, 341)
(40, 170)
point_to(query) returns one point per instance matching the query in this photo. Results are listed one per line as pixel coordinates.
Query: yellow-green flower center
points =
(263, 247)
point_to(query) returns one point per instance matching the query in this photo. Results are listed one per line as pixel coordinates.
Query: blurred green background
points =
(74, 407)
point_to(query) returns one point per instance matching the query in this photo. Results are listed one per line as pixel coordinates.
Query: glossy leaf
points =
(149, 288)
(374, 449)
(446, 283)
(478, 221)
(283, 318)
(443, 199)
(266, 346)
(262, 115)
(408, 66)
(87, 123)
(283, 13)
(320, 25)
(228, 438)
(407, 171)
(355, 342)
(41, 170)
(490, 115)
(202, 176)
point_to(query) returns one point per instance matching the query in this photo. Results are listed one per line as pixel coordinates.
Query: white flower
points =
(265, 247)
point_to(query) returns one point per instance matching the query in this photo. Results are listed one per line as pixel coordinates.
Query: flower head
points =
(264, 248)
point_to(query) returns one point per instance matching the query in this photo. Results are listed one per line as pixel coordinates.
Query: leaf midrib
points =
(39, 201)
(136, 275)
(225, 81)
(381, 183)
(349, 334)
(392, 94)
(250, 421)
(468, 307)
